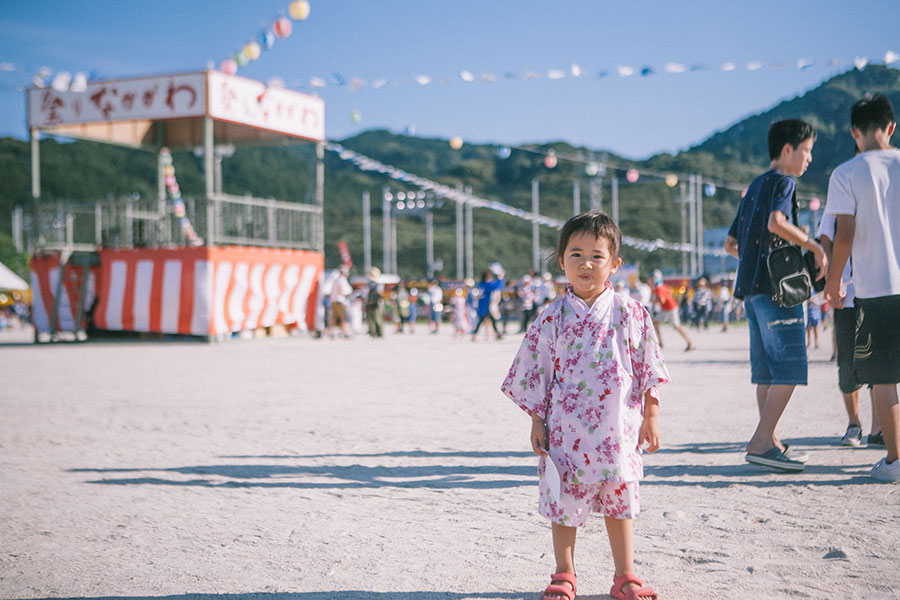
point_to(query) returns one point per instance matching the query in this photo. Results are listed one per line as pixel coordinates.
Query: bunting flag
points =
(576, 71)
(299, 10)
(440, 190)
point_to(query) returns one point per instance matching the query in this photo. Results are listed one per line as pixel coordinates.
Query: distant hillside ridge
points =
(648, 208)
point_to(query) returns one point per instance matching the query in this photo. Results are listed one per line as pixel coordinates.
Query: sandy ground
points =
(395, 470)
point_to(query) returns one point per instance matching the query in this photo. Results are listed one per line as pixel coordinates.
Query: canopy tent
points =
(172, 110)
(130, 253)
(9, 281)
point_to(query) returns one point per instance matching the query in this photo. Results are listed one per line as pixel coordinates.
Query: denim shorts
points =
(777, 342)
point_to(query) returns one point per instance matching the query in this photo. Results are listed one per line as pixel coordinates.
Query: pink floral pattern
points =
(585, 371)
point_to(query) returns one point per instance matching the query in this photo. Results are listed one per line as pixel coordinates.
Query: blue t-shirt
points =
(487, 289)
(768, 192)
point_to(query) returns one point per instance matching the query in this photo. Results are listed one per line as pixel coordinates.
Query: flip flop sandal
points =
(641, 592)
(560, 590)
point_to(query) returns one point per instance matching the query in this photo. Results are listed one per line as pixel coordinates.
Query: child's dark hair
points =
(872, 113)
(789, 131)
(595, 222)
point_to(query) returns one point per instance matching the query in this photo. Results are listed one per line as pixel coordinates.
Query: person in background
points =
(339, 296)
(486, 288)
(703, 299)
(526, 301)
(723, 304)
(436, 302)
(668, 311)
(864, 197)
(777, 339)
(374, 303)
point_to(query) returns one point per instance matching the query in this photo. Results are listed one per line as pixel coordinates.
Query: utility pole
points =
(615, 197)
(386, 227)
(470, 239)
(460, 237)
(535, 227)
(429, 243)
(367, 231)
(576, 197)
(698, 182)
(692, 205)
(682, 200)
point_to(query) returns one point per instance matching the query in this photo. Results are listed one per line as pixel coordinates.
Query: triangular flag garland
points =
(440, 190)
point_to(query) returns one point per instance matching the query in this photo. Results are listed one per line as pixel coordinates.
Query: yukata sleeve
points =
(532, 372)
(646, 355)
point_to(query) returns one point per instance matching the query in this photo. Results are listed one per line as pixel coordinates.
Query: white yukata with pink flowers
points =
(585, 370)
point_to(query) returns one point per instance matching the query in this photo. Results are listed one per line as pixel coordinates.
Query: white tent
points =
(9, 280)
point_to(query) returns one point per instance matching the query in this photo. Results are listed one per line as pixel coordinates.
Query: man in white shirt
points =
(864, 197)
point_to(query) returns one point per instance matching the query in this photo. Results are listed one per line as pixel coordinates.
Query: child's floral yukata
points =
(585, 370)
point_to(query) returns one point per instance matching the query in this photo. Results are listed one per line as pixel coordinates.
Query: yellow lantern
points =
(671, 180)
(252, 50)
(299, 10)
(456, 143)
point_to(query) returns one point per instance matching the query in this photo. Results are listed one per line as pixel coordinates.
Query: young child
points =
(587, 372)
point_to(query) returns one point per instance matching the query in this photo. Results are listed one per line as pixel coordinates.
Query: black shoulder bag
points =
(789, 272)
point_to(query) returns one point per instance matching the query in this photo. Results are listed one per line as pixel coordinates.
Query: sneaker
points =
(888, 473)
(875, 440)
(775, 459)
(853, 436)
(798, 455)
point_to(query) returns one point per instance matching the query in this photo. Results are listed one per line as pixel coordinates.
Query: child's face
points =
(588, 262)
(797, 159)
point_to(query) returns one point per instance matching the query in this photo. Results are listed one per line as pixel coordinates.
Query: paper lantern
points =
(282, 27)
(632, 175)
(299, 10)
(814, 203)
(169, 170)
(228, 66)
(709, 189)
(504, 152)
(252, 50)
(241, 58)
(671, 180)
(355, 116)
(267, 39)
(591, 169)
(550, 160)
(456, 143)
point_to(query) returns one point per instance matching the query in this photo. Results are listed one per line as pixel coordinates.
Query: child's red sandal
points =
(639, 593)
(555, 591)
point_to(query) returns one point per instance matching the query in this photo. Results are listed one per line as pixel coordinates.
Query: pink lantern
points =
(228, 66)
(282, 27)
(814, 203)
(632, 175)
(550, 160)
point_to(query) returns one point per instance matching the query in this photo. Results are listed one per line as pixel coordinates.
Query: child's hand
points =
(650, 433)
(539, 436)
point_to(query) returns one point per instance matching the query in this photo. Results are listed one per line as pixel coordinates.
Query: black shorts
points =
(876, 357)
(845, 336)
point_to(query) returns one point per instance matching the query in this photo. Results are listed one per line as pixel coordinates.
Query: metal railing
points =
(134, 222)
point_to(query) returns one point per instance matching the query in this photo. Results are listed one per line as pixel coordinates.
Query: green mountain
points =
(648, 208)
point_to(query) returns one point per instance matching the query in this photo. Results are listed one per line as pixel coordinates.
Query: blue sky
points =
(397, 40)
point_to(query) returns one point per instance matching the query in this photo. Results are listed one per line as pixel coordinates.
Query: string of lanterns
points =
(440, 190)
(281, 28)
(177, 201)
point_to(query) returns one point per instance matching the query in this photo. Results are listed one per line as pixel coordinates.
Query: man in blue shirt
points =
(777, 335)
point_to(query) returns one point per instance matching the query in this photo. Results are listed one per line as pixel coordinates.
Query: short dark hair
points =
(595, 222)
(788, 131)
(872, 113)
